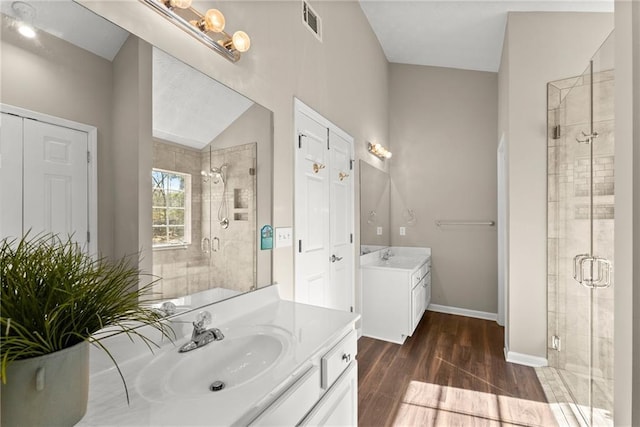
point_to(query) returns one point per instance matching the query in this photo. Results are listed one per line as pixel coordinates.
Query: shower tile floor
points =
(566, 411)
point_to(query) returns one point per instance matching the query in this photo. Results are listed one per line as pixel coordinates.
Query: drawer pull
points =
(346, 357)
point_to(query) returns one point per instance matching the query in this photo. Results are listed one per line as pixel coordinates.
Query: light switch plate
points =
(379, 231)
(403, 231)
(284, 237)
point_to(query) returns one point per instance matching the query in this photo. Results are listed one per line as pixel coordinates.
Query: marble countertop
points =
(308, 329)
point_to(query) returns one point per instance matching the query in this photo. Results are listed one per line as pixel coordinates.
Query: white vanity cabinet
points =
(313, 380)
(324, 393)
(395, 295)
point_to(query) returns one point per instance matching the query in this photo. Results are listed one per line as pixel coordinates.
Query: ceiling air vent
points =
(312, 20)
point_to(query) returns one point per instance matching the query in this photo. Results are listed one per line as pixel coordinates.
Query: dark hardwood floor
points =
(451, 372)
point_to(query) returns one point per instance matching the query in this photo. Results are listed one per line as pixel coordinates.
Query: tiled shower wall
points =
(569, 315)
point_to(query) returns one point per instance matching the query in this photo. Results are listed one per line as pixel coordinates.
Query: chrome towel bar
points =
(440, 223)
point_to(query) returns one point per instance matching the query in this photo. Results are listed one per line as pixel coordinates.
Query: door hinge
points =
(351, 238)
(88, 236)
(351, 309)
(328, 148)
(300, 246)
(300, 135)
(555, 342)
(351, 164)
(88, 156)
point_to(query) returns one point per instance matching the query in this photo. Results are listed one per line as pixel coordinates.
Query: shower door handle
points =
(216, 244)
(577, 267)
(592, 271)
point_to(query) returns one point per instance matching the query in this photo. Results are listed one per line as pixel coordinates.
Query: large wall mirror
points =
(375, 196)
(211, 149)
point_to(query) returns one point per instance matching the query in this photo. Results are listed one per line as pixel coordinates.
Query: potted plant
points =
(55, 301)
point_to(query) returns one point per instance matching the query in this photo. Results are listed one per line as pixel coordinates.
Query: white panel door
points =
(313, 271)
(341, 220)
(10, 176)
(55, 180)
(323, 229)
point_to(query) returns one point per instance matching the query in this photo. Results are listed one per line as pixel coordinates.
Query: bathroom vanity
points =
(280, 363)
(396, 291)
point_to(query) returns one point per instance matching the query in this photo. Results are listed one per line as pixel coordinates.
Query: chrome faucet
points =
(200, 335)
(386, 254)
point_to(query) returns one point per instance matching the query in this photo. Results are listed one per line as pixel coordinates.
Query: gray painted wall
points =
(444, 167)
(133, 151)
(627, 208)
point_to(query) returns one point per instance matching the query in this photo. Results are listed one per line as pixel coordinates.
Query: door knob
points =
(335, 258)
(317, 167)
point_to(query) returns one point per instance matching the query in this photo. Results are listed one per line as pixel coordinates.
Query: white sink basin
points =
(400, 262)
(241, 357)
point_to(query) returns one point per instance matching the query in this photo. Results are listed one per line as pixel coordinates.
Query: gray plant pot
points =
(49, 390)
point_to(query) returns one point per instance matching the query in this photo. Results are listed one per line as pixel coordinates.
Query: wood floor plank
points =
(450, 372)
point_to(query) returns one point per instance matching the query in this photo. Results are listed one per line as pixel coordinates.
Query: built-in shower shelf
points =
(241, 197)
(241, 216)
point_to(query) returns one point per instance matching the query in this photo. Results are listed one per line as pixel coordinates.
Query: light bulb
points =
(214, 20)
(388, 154)
(182, 4)
(27, 31)
(241, 41)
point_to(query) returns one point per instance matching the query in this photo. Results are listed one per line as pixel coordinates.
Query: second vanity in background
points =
(396, 291)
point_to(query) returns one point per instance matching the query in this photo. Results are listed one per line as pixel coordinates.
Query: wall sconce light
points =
(379, 150)
(207, 27)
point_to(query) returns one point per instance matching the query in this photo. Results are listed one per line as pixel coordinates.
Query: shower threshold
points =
(566, 411)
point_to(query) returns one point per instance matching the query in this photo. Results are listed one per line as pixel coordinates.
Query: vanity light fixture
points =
(379, 150)
(207, 27)
(25, 14)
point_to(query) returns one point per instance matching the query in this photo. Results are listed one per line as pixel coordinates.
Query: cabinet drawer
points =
(338, 358)
(294, 404)
(417, 275)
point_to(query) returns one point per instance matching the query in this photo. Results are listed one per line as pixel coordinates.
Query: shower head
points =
(218, 173)
(219, 170)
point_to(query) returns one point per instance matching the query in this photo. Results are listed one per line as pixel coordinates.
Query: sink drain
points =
(216, 386)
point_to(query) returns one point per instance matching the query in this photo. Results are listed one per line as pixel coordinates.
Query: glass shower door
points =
(229, 217)
(580, 238)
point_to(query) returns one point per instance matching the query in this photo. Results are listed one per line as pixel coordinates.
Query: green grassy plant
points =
(54, 296)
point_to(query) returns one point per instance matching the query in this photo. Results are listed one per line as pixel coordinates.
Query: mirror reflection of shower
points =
(213, 154)
(217, 175)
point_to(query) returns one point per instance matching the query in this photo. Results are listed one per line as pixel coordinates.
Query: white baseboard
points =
(359, 331)
(462, 312)
(525, 359)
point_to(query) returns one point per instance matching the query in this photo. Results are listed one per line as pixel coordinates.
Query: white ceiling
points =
(71, 22)
(451, 33)
(190, 108)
